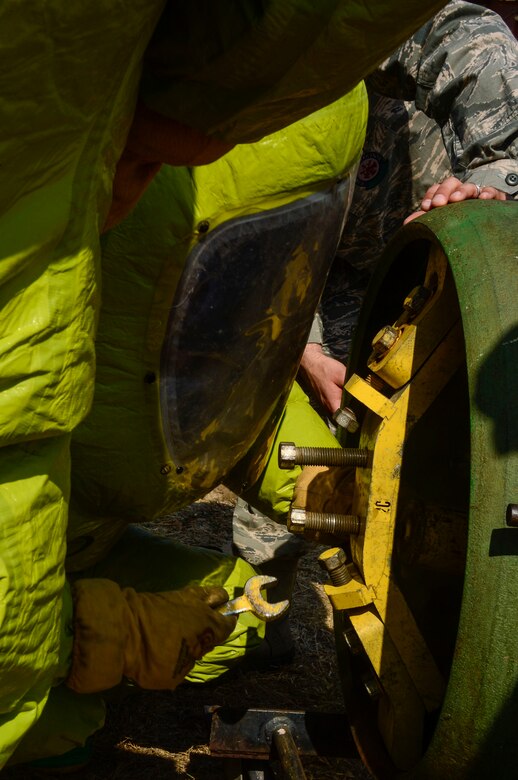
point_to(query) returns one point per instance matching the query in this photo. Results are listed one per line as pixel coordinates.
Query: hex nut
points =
(346, 419)
(416, 299)
(296, 520)
(352, 641)
(332, 559)
(372, 686)
(287, 455)
(385, 339)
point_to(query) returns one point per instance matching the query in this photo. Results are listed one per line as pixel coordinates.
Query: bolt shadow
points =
(495, 391)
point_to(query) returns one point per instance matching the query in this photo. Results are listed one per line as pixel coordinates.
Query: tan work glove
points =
(324, 489)
(151, 638)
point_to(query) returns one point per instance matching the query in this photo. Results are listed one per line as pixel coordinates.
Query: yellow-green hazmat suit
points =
(71, 75)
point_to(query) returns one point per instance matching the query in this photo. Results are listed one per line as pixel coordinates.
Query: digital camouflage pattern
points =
(446, 102)
(258, 539)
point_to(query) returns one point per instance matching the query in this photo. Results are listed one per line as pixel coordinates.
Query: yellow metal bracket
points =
(374, 400)
(351, 595)
(414, 368)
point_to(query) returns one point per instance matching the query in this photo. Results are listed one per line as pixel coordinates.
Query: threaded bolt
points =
(346, 419)
(334, 562)
(300, 521)
(290, 455)
(376, 382)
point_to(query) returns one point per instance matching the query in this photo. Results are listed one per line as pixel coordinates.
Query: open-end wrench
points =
(252, 600)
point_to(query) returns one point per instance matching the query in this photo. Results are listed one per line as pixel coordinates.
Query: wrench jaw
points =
(259, 606)
(253, 601)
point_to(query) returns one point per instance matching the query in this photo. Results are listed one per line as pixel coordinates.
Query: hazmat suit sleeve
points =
(460, 69)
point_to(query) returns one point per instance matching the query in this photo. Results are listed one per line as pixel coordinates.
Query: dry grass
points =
(165, 735)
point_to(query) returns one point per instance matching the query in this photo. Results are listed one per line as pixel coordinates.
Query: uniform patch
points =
(372, 170)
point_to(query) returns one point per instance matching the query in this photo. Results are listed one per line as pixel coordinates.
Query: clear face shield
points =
(237, 329)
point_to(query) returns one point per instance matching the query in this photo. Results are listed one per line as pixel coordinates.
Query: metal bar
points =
(246, 733)
(288, 753)
(291, 455)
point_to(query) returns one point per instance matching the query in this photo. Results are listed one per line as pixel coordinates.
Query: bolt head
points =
(346, 419)
(511, 515)
(296, 520)
(332, 559)
(287, 455)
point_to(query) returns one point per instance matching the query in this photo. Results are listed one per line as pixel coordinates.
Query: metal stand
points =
(250, 738)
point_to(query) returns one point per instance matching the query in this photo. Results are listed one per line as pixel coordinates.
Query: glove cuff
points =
(100, 628)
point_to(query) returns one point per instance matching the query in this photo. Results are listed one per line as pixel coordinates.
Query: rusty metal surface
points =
(247, 733)
(288, 753)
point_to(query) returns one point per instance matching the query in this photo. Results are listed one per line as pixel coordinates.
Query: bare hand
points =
(325, 375)
(452, 190)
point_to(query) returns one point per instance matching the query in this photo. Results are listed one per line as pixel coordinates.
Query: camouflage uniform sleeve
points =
(461, 69)
(316, 334)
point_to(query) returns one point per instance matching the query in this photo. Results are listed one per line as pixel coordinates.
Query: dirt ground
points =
(165, 735)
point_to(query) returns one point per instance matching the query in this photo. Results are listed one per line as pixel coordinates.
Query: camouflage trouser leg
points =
(340, 306)
(258, 539)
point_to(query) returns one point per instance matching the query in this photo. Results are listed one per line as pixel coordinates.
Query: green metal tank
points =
(427, 628)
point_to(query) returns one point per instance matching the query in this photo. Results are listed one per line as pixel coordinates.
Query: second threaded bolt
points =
(290, 455)
(334, 562)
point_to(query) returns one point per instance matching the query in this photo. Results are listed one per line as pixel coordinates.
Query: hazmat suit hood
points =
(202, 328)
